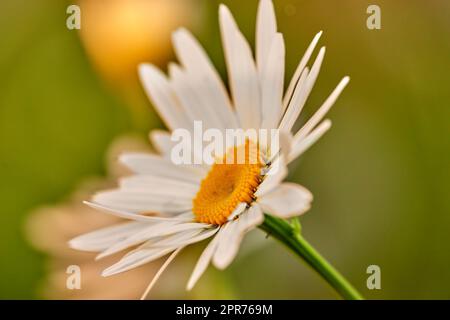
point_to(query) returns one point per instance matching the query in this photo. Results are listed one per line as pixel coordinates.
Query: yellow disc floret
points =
(233, 179)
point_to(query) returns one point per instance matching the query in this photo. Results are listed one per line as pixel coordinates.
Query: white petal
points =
(164, 145)
(188, 237)
(239, 209)
(135, 259)
(244, 81)
(137, 237)
(272, 82)
(138, 217)
(286, 201)
(180, 235)
(320, 113)
(252, 218)
(299, 100)
(283, 147)
(228, 234)
(266, 28)
(203, 262)
(159, 186)
(315, 69)
(161, 94)
(286, 140)
(181, 228)
(161, 141)
(143, 202)
(157, 235)
(300, 145)
(276, 174)
(232, 234)
(101, 239)
(299, 70)
(204, 77)
(146, 163)
(185, 87)
(176, 239)
(295, 105)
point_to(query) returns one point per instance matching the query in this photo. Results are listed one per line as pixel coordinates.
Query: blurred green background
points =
(381, 176)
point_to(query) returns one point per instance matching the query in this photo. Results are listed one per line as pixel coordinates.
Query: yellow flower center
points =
(233, 179)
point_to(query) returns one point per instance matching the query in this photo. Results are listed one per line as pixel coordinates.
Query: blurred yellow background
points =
(381, 176)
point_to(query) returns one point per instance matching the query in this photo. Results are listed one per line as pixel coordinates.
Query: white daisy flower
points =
(171, 206)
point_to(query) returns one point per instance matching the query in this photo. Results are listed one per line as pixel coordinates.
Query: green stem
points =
(286, 233)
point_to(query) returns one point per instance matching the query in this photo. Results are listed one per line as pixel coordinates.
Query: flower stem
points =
(288, 235)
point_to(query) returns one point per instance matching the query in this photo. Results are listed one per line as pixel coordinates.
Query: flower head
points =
(171, 206)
